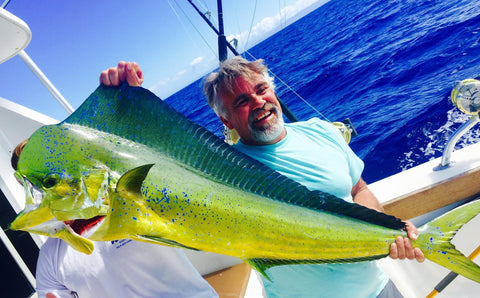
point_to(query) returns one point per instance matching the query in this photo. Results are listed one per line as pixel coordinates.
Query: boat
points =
(419, 194)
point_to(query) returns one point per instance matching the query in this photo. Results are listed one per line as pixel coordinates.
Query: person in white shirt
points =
(121, 268)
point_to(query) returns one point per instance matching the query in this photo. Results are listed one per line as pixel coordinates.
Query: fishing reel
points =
(466, 97)
(346, 129)
(231, 136)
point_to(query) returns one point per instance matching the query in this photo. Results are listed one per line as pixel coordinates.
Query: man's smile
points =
(263, 116)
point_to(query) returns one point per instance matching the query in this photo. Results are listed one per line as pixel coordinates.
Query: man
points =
(242, 94)
(123, 268)
(313, 153)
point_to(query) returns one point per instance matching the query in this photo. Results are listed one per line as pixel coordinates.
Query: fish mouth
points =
(82, 227)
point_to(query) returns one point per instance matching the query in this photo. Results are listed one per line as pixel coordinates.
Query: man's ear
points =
(226, 122)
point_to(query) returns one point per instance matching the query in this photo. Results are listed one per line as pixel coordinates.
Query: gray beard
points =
(269, 134)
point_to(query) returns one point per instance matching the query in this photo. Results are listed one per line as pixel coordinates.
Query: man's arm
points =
(48, 280)
(362, 195)
(402, 247)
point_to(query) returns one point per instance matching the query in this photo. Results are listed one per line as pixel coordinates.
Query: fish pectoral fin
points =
(163, 241)
(77, 242)
(132, 180)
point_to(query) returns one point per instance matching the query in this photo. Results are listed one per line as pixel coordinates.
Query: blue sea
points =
(387, 65)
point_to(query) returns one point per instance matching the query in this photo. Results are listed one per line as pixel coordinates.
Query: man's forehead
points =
(245, 82)
(241, 85)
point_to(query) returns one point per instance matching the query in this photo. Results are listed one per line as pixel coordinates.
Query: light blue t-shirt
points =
(315, 154)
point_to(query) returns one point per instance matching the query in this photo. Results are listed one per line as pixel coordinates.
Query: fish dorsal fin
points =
(338, 206)
(136, 114)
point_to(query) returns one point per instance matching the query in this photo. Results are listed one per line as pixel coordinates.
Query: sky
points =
(73, 41)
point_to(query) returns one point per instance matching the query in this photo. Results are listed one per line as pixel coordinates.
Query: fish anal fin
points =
(260, 266)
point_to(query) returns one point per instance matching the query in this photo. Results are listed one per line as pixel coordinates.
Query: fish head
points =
(66, 193)
(64, 197)
(79, 174)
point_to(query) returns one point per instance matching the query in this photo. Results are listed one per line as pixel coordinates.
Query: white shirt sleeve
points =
(47, 269)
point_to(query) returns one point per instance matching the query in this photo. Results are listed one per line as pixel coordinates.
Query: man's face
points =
(254, 111)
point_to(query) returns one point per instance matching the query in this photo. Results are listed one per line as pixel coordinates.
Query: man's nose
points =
(258, 102)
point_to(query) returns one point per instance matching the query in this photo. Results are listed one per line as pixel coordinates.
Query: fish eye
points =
(50, 180)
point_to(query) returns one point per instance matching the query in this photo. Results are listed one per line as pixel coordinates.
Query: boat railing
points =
(16, 35)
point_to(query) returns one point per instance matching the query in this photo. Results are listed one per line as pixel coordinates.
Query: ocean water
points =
(387, 65)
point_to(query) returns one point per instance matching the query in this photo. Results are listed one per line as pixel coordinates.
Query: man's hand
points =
(128, 72)
(402, 247)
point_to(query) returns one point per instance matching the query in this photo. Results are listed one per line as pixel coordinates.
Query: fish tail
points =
(435, 241)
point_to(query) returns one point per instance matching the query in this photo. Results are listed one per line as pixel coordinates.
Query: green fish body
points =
(126, 165)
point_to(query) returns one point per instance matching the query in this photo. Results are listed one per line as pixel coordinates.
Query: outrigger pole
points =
(223, 44)
(222, 40)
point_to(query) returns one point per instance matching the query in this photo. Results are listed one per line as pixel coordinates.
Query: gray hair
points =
(224, 80)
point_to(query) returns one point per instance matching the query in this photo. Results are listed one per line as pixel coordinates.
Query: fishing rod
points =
(224, 46)
(450, 277)
(4, 4)
(221, 36)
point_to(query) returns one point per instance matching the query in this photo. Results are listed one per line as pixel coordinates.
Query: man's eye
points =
(262, 90)
(241, 103)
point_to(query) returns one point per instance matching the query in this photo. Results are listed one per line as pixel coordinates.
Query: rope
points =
(251, 24)
(191, 23)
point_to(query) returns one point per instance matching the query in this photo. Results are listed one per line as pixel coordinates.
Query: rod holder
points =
(447, 151)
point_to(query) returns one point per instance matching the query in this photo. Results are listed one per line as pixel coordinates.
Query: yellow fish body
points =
(126, 165)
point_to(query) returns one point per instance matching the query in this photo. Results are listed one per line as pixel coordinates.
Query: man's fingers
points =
(109, 77)
(400, 247)
(412, 231)
(113, 76)
(393, 251)
(409, 253)
(104, 78)
(129, 72)
(419, 256)
(138, 71)
(134, 74)
(121, 71)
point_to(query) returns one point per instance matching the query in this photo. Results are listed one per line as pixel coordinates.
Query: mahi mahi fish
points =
(127, 165)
